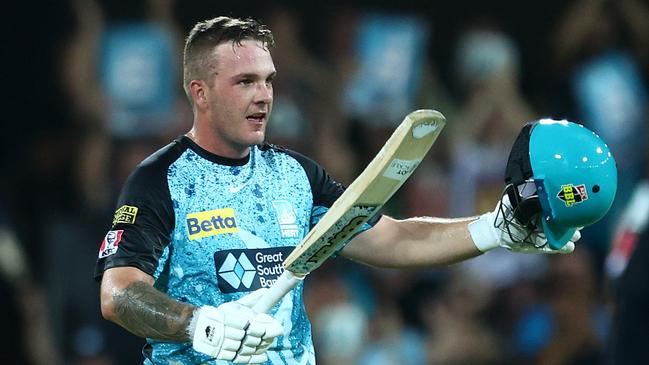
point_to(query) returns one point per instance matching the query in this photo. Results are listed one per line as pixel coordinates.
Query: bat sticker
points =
(343, 231)
(400, 169)
(420, 131)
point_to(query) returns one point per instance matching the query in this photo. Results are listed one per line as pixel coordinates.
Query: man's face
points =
(241, 95)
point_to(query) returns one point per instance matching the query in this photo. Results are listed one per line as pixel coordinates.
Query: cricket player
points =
(203, 225)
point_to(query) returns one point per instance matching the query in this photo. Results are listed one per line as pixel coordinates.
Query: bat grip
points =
(284, 284)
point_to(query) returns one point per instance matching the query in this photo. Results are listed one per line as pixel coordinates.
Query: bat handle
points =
(284, 284)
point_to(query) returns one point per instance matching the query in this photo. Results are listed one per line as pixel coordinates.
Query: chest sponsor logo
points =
(286, 218)
(125, 214)
(110, 243)
(571, 194)
(211, 223)
(249, 269)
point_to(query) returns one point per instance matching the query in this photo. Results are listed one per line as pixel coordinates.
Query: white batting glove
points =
(267, 328)
(234, 332)
(489, 231)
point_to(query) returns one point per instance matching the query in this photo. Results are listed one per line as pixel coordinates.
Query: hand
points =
(234, 332)
(273, 327)
(499, 229)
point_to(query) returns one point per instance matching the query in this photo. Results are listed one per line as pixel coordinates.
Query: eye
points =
(245, 82)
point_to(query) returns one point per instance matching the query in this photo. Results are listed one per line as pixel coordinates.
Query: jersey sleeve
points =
(142, 224)
(325, 190)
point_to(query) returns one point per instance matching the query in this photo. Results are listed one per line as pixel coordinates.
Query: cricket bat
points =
(389, 169)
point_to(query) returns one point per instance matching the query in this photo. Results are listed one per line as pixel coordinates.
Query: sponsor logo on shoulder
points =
(572, 194)
(286, 218)
(125, 214)
(249, 269)
(211, 223)
(110, 243)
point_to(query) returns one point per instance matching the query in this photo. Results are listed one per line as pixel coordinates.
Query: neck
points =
(209, 140)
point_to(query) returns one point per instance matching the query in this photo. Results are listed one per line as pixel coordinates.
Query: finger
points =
(575, 237)
(257, 328)
(226, 355)
(273, 327)
(264, 345)
(258, 358)
(247, 350)
(568, 247)
(253, 341)
(241, 359)
(236, 320)
(234, 333)
(252, 298)
(273, 331)
(230, 345)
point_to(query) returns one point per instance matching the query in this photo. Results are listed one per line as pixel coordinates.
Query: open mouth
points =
(257, 117)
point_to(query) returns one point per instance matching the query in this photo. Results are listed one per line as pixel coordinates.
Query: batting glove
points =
(499, 229)
(234, 332)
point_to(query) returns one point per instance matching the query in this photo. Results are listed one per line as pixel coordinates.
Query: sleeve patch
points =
(125, 214)
(110, 243)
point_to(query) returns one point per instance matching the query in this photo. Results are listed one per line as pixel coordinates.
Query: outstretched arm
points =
(413, 242)
(430, 242)
(129, 299)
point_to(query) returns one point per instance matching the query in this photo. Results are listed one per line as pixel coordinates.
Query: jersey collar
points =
(212, 157)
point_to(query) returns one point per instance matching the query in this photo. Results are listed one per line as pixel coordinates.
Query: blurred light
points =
(89, 341)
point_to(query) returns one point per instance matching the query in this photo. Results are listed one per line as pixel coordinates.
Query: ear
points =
(199, 92)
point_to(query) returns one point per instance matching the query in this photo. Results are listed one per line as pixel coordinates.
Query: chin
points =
(256, 139)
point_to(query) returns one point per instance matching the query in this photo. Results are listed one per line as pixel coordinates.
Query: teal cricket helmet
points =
(561, 174)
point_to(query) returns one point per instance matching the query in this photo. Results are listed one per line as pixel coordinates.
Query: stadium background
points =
(68, 144)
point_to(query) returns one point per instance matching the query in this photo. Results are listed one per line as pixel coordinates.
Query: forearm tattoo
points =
(147, 312)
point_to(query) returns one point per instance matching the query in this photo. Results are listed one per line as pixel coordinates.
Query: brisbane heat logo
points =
(572, 194)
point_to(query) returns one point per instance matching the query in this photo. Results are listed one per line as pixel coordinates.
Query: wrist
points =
(483, 233)
(193, 321)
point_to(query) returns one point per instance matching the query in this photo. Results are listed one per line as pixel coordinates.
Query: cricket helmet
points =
(561, 174)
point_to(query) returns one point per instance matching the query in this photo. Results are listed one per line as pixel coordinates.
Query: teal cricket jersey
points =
(211, 229)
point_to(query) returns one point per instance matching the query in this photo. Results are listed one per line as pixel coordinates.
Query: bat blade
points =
(384, 175)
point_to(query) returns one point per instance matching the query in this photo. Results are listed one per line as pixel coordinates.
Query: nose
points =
(264, 93)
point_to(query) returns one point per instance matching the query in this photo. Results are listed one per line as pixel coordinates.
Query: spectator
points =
(457, 331)
(24, 307)
(627, 267)
(569, 326)
(600, 51)
(492, 112)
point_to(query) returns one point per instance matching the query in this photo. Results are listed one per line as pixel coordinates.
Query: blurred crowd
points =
(107, 91)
